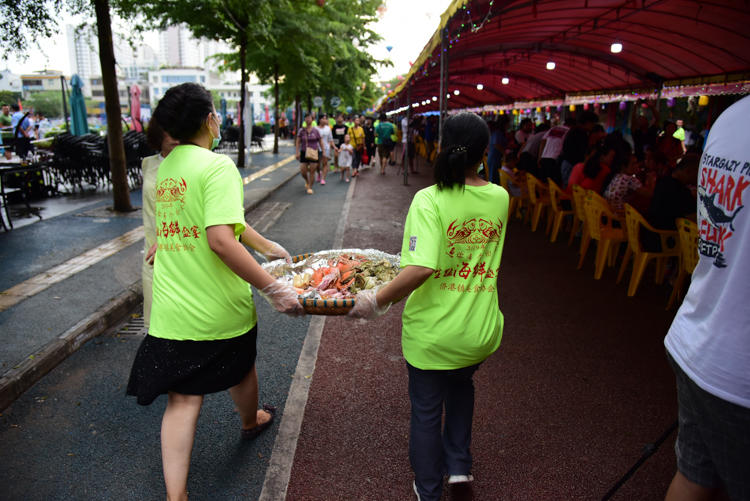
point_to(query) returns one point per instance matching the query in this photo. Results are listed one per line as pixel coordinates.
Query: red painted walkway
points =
(579, 385)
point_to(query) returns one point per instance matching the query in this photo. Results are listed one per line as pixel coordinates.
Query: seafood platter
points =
(327, 281)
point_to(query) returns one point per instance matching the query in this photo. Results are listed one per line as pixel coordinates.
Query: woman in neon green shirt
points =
(452, 245)
(202, 333)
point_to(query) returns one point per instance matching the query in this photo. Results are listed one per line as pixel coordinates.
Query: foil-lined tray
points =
(377, 269)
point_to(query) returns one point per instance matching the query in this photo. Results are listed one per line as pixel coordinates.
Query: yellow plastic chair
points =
(556, 196)
(579, 222)
(600, 224)
(687, 231)
(516, 202)
(634, 221)
(539, 200)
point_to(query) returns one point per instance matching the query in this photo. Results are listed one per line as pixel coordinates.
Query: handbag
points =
(311, 153)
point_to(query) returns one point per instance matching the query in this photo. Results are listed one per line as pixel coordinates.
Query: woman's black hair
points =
(183, 110)
(575, 144)
(465, 139)
(154, 134)
(593, 164)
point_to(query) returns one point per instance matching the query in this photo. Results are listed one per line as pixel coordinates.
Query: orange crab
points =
(343, 268)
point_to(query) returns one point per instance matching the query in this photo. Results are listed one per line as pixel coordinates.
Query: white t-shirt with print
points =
(710, 336)
(554, 145)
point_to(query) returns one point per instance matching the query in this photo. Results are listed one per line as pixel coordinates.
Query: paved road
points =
(75, 435)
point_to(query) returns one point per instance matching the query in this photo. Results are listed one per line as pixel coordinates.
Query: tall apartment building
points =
(178, 48)
(83, 52)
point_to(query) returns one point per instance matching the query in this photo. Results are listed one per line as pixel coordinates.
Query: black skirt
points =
(190, 367)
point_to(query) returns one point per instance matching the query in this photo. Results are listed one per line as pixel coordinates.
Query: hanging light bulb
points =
(456, 92)
(434, 98)
(480, 86)
(616, 48)
(505, 80)
(550, 65)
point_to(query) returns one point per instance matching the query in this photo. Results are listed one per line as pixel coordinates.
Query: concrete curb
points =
(23, 376)
(254, 204)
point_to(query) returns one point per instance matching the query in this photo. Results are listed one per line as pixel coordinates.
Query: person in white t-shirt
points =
(326, 137)
(708, 344)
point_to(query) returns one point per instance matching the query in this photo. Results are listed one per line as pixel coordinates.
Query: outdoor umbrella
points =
(135, 107)
(78, 124)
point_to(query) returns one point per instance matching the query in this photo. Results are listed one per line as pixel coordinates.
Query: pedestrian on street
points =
(346, 153)
(203, 328)
(307, 145)
(357, 138)
(164, 144)
(338, 131)
(384, 132)
(23, 131)
(369, 141)
(450, 259)
(327, 140)
(708, 344)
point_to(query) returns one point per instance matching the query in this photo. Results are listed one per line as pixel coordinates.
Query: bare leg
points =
(245, 396)
(311, 175)
(324, 169)
(303, 172)
(177, 435)
(682, 489)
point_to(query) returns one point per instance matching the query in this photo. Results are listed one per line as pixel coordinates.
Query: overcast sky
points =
(406, 27)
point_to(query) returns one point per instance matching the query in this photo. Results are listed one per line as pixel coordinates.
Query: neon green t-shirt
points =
(452, 320)
(679, 134)
(196, 296)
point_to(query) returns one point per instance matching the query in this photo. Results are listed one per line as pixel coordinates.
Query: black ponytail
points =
(465, 139)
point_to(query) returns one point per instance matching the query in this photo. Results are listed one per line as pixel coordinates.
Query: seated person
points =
(592, 173)
(625, 186)
(674, 197)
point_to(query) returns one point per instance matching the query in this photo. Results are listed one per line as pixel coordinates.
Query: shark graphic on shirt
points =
(716, 217)
(712, 212)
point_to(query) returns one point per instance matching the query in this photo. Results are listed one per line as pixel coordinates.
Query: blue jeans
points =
(434, 452)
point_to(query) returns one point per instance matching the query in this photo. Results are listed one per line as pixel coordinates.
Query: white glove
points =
(276, 251)
(366, 306)
(283, 298)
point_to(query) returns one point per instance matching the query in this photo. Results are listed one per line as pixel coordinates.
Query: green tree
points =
(29, 20)
(9, 97)
(48, 103)
(315, 50)
(240, 23)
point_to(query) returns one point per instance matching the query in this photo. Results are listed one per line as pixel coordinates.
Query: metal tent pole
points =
(405, 160)
(443, 74)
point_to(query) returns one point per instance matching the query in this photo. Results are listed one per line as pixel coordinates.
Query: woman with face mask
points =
(203, 326)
